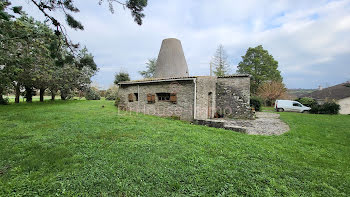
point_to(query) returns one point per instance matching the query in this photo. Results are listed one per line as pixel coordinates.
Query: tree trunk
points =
(53, 95)
(18, 93)
(42, 91)
(29, 94)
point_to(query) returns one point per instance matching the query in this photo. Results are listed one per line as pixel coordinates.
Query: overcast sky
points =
(309, 38)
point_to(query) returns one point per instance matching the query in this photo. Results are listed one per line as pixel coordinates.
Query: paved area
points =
(264, 124)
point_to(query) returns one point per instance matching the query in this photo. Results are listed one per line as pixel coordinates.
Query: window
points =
(136, 96)
(131, 97)
(151, 98)
(163, 96)
(296, 105)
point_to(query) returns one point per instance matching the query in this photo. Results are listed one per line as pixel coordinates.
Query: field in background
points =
(297, 93)
(37, 98)
(81, 148)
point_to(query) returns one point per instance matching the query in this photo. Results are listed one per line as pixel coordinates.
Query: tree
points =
(112, 92)
(67, 7)
(5, 76)
(33, 57)
(92, 94)
(150, 68)
(24, 52)
(219, 62)
(262, 67)
(34, 64)
(272, 90)
(6, 51)
(76, 73)
(44, 66)
(5, 82)
(121, 76)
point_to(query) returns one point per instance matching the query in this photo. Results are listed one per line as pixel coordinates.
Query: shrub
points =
(67, 94)
(315, 109)
(4, 101)
(92, 94)
(256, 102)
(70, 95)
(111, 93)
(117, 101)
(326, 108)
(309, 102)
(330, 108)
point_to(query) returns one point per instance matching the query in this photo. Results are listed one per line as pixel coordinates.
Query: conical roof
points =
(171, 60)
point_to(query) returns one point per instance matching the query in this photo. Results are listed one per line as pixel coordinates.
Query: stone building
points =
(175, 93)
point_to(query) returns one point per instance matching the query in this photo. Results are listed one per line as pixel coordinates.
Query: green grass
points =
(79, 148)
(268, 109)
(36, 98)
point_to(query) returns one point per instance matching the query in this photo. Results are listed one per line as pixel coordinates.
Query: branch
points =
(118, 2)
(58, 25)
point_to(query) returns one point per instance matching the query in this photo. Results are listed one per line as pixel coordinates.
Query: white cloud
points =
(308, 38)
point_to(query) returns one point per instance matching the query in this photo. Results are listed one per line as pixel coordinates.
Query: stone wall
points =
(206, 95)
(226, 96)
(240, 85)
(233, 97)
(183, 108)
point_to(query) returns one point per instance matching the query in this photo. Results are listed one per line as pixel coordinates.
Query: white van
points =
(288, 105)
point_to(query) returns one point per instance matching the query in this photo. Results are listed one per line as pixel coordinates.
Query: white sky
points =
(309, 38)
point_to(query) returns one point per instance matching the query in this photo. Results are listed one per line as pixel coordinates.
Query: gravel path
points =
(264, 124)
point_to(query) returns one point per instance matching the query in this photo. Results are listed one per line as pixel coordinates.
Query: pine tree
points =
(219, 62)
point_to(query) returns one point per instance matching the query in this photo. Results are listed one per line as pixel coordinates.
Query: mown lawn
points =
(79, 148)
(35, 98)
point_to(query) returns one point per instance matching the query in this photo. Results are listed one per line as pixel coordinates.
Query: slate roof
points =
(337, 92)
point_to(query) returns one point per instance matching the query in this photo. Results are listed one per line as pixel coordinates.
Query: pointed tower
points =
(171, 60)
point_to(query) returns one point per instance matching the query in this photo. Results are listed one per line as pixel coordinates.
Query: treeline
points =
(33, 57)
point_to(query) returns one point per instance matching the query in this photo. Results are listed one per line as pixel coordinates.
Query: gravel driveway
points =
(264, 124)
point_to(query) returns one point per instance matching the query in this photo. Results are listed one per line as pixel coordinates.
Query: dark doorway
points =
(210, 105)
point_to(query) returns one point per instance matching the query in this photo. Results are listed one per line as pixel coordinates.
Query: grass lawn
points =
(37, 98)
(268, 109)
(79, 148)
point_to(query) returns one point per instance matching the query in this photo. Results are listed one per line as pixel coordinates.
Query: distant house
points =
(339, 93)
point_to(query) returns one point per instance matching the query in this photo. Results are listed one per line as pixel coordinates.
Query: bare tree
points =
(272, 90)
